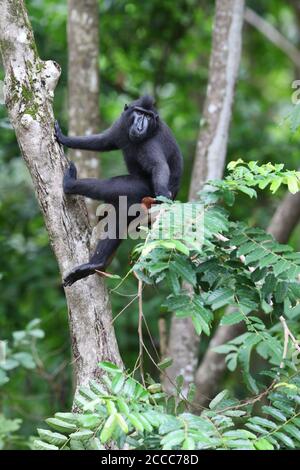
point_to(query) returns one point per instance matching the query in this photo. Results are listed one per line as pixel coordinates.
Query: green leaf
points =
(90, 420)
(122, 405)
(33, 324)
(179, 382)
(9, 364)
(218, 399)
(293, 184)
(109, 367)
(232, 318)
(224, 348)
(231, 165)
(68, 417)
(147, 425)
(174, 438)
(60, 425)
(231, 361)
(246, 190)
(285, 439)
(219, 298)
(82, 435)
(181, 247)
(117, 383)
(191, 392)
(41, 445)
(274, 412)
(108, 428)
(185, 269)
(263, 444)
(276, 183)
(292, 430)
(77, 445)
(135, 421)
(167, 362)
(37, 333)
(263, 422)
(122, 423)
(188, 444)
(54, 438)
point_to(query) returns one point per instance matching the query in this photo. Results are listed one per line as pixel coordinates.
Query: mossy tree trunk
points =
(29, 91)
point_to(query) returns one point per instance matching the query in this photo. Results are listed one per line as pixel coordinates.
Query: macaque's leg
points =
(102, 257)
(105, 248)
(109, 190)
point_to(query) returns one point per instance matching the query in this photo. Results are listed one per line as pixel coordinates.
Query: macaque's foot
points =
(80, 272)
(148, 201)
(58, 133)
(69, 177)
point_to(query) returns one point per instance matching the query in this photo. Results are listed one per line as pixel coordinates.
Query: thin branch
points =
(286, 341)
(140, 328)
(285, 218)
(288, 332)
(162, 330)
(273, 35)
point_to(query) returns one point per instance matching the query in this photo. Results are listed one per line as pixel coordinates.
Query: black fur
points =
(153, 160)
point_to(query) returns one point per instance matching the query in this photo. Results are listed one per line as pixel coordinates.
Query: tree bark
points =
(29, 89)
(213, 366)
(83, 85)
(210, 157)
(223, 70)
(285, 218)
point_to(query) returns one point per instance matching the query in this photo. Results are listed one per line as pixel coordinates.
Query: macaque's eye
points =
(125, 107)
(148, 117)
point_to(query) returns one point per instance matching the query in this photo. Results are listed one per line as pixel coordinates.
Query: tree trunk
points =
(223, 70)
(83, 85)
(29, 89)
(210, 157)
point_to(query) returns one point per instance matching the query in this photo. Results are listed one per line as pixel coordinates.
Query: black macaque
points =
(154, 164)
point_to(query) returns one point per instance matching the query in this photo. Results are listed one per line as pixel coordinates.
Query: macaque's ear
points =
(125, 107)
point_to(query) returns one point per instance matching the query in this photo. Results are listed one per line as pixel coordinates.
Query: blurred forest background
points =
(159, 47)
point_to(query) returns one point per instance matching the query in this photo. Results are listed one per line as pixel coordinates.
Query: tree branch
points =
(29, 90)
(285, 218)
(273, 35)
(210, 157)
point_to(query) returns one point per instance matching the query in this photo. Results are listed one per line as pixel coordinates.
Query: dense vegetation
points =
(36, 379)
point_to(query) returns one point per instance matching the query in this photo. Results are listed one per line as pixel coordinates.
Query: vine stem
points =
(287, 334)
(140, 327)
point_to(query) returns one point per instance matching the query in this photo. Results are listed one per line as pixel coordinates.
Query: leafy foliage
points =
(226, 263)
(138, 417)
(179, 85)
(20, 352)
(12, 356)
(243, 176)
